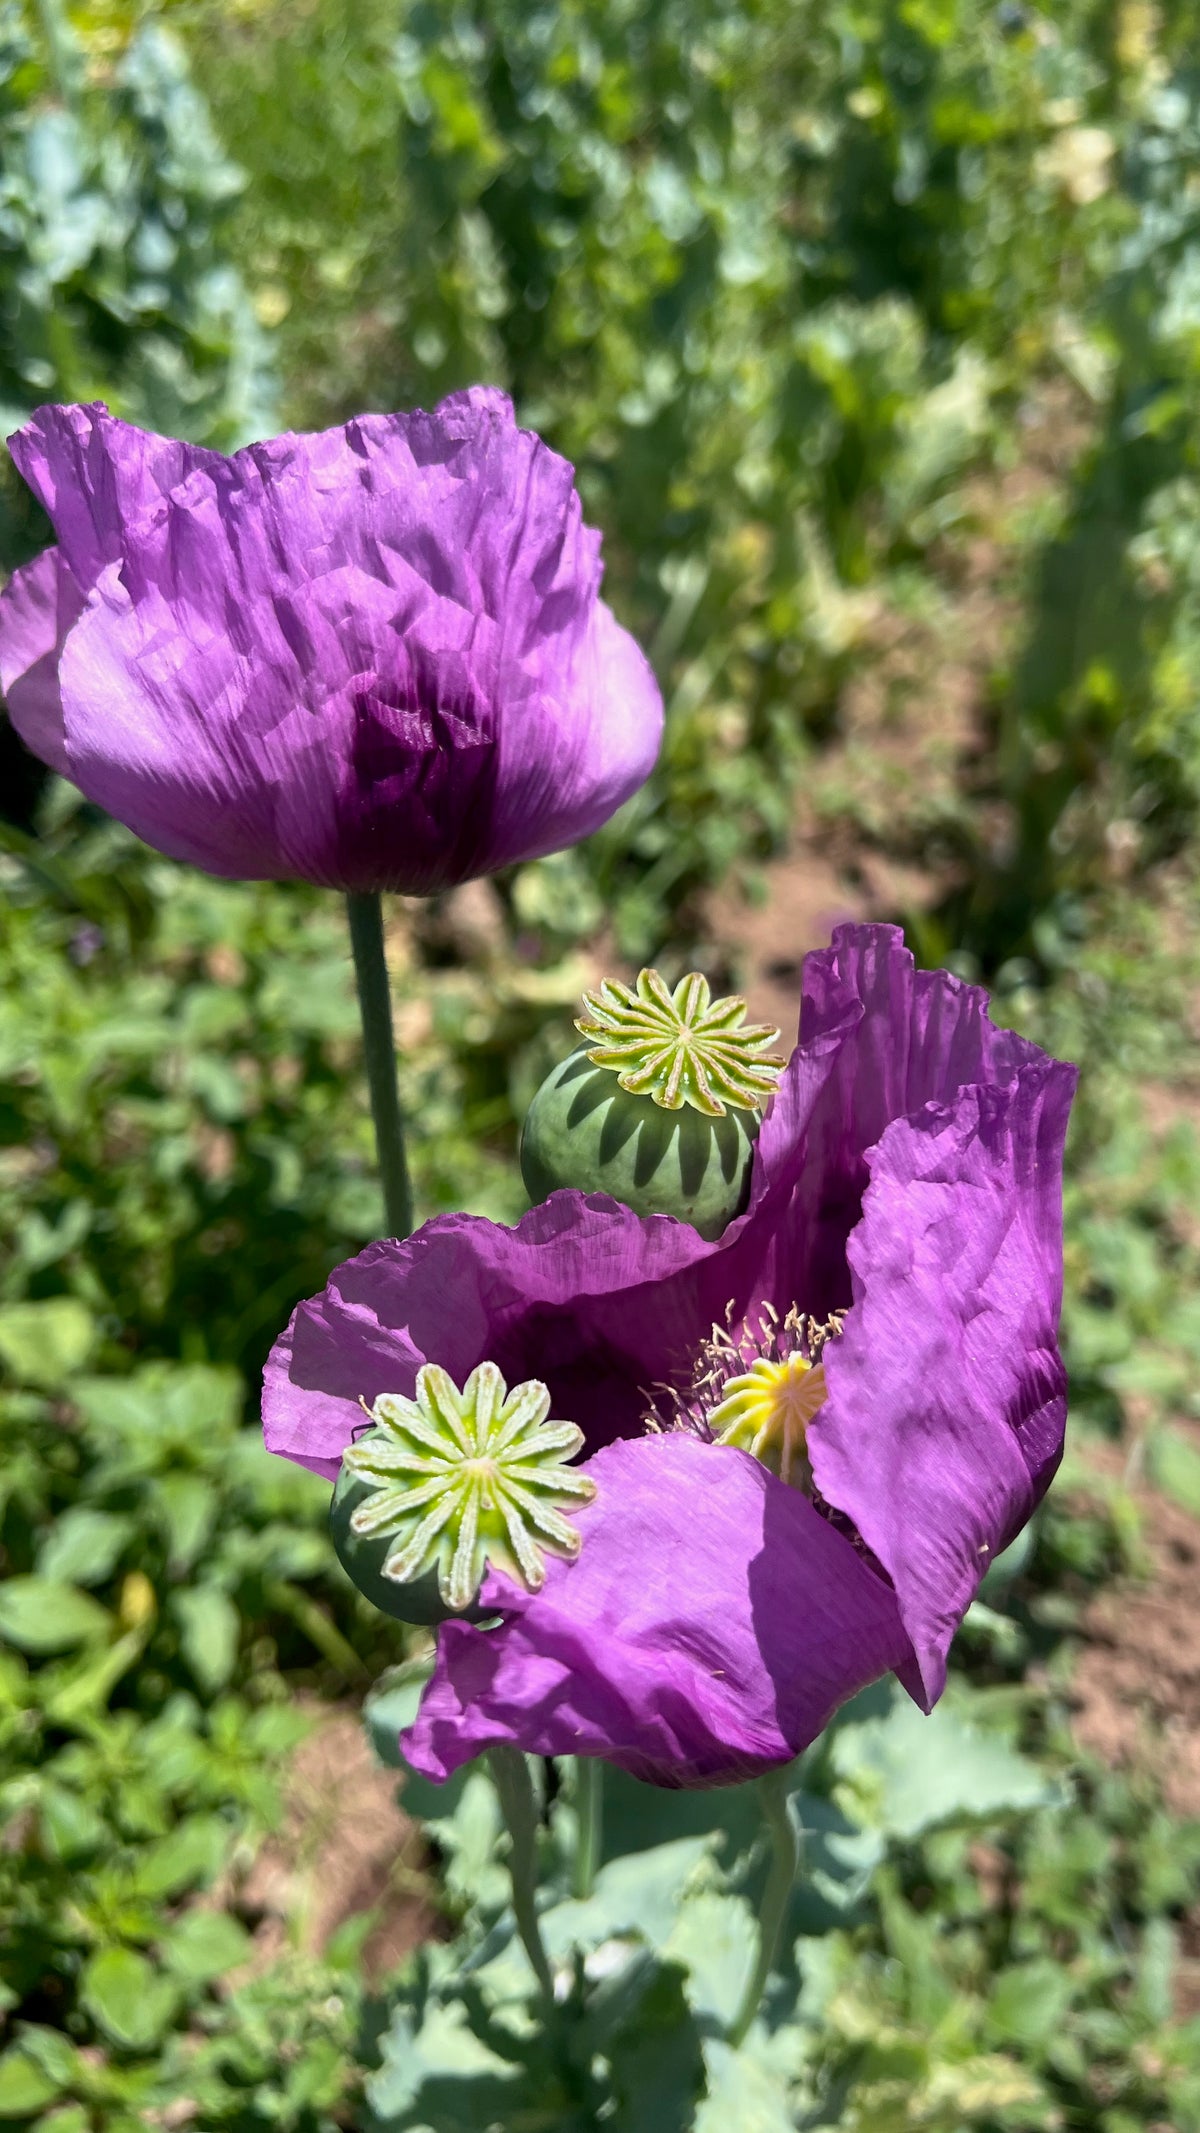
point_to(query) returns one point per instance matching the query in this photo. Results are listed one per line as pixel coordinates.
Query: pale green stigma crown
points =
(681, 1047)
(467, 1480)
(766, 1410)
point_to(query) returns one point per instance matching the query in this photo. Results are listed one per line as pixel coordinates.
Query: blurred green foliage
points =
(795, 287)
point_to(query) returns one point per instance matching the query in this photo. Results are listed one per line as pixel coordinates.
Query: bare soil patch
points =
(345, 1847)
(1136, 1684)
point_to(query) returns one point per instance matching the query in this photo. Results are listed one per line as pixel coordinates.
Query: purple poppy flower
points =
(373, 658)
(906, 1191)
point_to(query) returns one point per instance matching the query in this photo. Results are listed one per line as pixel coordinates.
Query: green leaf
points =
(1175, 1466)
(45, 1343)
(42, 1615)
(187, 1506)
(743, 2090)
(474, 1872)
(84, 1545)
(391, 1706)
(715, 1938)
(127, 1999)
(203, 1945)
(24, 2087)
(1028, 2002)
(657, 2068)
(638, 1895)
(191, 1853)
(69, 2118)
(52, 2052)
(211, 1625)
(905, 1773)
(437, 2073)
(70, 1825)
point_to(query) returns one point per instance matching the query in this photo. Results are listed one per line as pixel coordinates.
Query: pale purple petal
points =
(947, 1396)
(99, 480)
(306, 772)
(37, 608)
(919, 1036)
(709, 1629)
(565, 764)
(555, 1298)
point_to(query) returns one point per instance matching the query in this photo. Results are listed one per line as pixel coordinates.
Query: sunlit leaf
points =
(44, 1615)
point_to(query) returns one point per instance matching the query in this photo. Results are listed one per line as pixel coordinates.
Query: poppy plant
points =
(806, 1440)
(374, 658)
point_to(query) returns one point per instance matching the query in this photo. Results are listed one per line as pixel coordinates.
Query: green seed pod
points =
(362, 1558)
(449, 1484)
(663, 1111)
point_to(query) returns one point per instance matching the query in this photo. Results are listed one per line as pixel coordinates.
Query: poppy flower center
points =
(756, 1384)
(468, 1480)
(681, 1047)
(767, 1409)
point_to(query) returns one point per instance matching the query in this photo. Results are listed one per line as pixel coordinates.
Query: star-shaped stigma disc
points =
(464, 1481)
(681, 1047)
(766, 1411)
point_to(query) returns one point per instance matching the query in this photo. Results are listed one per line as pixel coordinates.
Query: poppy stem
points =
(772, 1910)
(589, 1804)
(365, 912)
(510, 1776)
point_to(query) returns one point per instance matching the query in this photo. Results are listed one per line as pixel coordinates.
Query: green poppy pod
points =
(660, 1106)
(450, 1483)
(362, 1557)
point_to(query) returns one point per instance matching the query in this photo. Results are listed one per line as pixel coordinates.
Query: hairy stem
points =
(785, 1856)
(589, 1804)
(379, 1051)
(510, 1775)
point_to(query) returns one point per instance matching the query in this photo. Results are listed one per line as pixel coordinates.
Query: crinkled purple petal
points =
(947, 1395)
(99, 480)
(920, 1036)
(300, 776)
(37, 608)
(709, 1629)
(374, 658)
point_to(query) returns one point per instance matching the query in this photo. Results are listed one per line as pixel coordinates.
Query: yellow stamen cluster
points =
(757, 1382)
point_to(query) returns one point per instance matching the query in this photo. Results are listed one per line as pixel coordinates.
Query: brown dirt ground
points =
(1135, 1689)
(344, 1848)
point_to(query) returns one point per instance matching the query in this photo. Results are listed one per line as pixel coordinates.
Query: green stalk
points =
(589, 1803)
(379, 1052)
(510, 1775)
(785, 1857)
